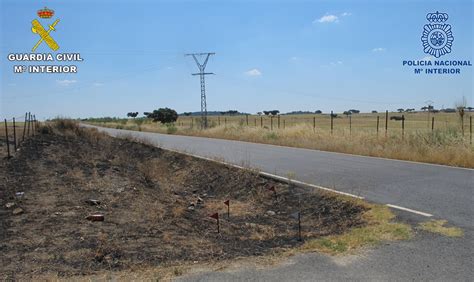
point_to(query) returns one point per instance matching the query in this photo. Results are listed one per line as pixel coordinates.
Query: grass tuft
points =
(437, 226)
(379, 228)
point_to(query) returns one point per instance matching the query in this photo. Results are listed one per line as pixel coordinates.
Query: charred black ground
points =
(155, 204)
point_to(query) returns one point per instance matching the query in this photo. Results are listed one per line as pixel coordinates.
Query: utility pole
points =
(202, 73)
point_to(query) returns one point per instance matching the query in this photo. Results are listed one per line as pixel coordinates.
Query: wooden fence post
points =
(350, 124)
(218, 120)
(14, 134)
(386, 122)
(247, 119)
(24, 128)
(225, 122)
(271, 122)
(314, 124)
(29, 118)
(470, 130)
(6, 137)
(261, 121)
(255, 122)
(403, 126)
(432, 124)
(278, 121)
(284, 124)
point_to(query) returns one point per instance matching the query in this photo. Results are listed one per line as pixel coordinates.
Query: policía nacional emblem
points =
(437, 37)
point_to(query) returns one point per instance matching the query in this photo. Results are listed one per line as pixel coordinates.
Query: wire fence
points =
(382, 123)
(16, 130)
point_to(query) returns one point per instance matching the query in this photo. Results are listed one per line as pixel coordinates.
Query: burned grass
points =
(156, 206)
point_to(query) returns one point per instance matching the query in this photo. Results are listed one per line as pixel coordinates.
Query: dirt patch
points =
(155, 203)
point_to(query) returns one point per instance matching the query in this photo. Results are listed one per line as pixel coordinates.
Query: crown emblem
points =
(45, 13)
(437, 17)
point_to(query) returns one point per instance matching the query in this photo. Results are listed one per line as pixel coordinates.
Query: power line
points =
(202, 74)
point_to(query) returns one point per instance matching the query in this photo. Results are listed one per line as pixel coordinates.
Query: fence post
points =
(247, 119)
(378, 122)
(218, 120)
(403, 126)
(314, 124)
(278, 121)
(432, 124)
(6, 136)
(14, 134)
(386, 122)
(284, 124)
(332, 122)
(271, 122)
(470, 130)
(261, 121)
(33, 125)
(192, 122)
(350, 124)
(255, 122)
(24, 128)
(28, 131)
(225, 122)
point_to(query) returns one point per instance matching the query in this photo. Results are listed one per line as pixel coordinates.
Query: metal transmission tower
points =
(203, 84)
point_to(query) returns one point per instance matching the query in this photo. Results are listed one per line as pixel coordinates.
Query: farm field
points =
(425, 137)
(155, 206)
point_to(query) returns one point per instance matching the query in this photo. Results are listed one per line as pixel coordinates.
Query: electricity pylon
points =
(202, 73)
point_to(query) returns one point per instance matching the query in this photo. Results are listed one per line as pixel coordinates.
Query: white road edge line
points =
(409, 210)
(295, 181)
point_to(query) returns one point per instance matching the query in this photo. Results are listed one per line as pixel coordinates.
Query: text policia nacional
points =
(46, 57)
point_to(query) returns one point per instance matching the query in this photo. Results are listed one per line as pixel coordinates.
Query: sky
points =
(284, 55)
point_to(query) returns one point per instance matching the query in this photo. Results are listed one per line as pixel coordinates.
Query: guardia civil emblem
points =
(437, 36)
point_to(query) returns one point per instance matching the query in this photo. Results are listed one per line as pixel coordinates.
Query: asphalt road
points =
(444, 192)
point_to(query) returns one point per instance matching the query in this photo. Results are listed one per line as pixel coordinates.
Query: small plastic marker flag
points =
(227, 203)
(215, 215)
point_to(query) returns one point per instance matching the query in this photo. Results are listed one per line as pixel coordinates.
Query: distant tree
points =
(259, 113)
(409, 110)
(424, 108)
(354, 111)
(266, 113)
(347, 113)
(318, 112)
(274, 112)
(334, 115)
(400, 110)
(163, 115)
(187, 114)
(374, 112)
(470, 108)
(449, 110)
(132, 114)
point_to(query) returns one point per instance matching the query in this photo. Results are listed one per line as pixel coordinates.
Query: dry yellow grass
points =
(445, 145)
(437, 226)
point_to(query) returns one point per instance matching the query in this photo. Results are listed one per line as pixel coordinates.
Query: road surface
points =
(422, 189)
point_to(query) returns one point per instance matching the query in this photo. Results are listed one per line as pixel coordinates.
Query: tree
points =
(163, 115)
(470, 108)
(318, 112)
(400, 110)
(275, 112)
(266, 113)
(354, 111)
(132, 114)
(424, 108)
(259, 113)
(187, 114)
(347, 113)
(374, 112)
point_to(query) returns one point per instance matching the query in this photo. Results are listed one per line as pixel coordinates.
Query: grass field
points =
(426, 137)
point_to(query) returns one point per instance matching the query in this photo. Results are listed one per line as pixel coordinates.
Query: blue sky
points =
(285, 55)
